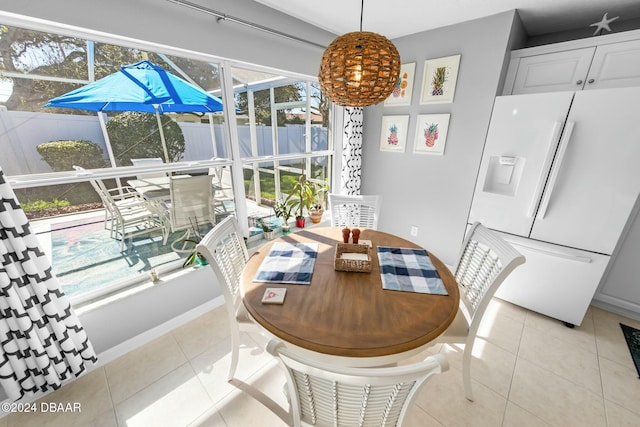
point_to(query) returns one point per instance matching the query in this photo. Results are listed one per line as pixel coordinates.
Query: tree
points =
(262, 103)
(34, 53)
(56, 55)
(136, 136)
(320, 104)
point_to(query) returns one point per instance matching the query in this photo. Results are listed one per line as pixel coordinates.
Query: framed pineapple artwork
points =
(431, 133)
(439, 80)
(403, 90)
(393, 136)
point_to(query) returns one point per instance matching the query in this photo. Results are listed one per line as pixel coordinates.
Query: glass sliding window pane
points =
(38, 67)
(43, 54)
(84, 178)
(285, 118)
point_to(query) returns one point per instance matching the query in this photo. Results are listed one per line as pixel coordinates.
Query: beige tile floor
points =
(528, 370)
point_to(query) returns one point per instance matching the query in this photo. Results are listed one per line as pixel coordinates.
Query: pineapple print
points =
(431, 134)
(398, 89)
(439, 77)
(393, 137)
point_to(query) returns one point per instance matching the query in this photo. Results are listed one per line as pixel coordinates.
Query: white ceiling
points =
(396, 18)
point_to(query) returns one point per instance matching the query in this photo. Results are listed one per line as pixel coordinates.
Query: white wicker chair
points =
(355, 211)
(485, 261)
(329, 395)
(224, 249)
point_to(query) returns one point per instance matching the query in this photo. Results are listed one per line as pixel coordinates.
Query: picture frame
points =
(439, 80)
(393, 134)
(431, 133)
(402, 92)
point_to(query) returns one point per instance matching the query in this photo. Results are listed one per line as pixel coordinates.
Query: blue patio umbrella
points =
(143, 87)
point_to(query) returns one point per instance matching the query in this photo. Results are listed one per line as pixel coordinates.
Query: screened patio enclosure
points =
(277, 130)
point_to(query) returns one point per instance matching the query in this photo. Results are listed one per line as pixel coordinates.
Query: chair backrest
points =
(355, 211)
(485, 261)
(224, 249)
(191, 202)
(221, 176)
(101, 189)
(330, 395)
(149, 162)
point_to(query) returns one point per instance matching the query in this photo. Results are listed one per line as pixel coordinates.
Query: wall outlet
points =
(414, 230)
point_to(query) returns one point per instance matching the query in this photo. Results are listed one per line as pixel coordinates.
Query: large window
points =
(62, 162)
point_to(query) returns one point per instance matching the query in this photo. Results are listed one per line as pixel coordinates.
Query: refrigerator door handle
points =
(564, 142)
(555, 133)
(577, 258)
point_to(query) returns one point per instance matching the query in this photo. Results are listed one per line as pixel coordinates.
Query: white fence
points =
(21, 132)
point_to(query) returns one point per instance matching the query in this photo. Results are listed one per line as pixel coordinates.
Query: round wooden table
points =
(348, 315)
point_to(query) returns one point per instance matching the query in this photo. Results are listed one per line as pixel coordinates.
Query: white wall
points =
(113, 323)
(434, 192)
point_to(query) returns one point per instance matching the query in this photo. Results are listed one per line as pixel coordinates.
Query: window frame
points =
(235, 160)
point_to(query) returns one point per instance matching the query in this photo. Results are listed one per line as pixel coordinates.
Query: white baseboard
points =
(151, 334)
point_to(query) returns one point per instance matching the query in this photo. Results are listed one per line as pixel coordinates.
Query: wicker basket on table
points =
(355, 265)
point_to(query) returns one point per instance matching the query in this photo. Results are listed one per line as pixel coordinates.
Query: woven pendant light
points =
(359, 69)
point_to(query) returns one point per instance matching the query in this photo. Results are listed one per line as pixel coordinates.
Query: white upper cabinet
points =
(615, 65)
(596, 63)
(553, 72)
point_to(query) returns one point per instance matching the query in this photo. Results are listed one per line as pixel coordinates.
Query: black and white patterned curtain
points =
(42, 343)
(352, 151)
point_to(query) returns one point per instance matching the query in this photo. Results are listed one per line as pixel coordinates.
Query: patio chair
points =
(224, 249)
(191, 206)
(149, 162)
(113, 199)
(328, 395)
(485, 261)
(223, 187)
(127, 213)
(355, 211)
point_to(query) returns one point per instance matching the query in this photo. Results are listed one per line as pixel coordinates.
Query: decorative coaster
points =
(274, 295)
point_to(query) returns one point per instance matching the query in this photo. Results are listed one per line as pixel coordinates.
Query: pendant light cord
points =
(361, 13)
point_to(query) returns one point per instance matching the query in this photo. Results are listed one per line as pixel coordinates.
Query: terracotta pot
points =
(300, 222)
(316, 216)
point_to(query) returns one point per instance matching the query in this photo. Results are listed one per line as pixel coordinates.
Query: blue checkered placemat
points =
(288, 263)
(410, 270)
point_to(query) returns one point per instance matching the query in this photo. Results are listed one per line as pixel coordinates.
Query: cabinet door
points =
(560, 71)
(615, 65)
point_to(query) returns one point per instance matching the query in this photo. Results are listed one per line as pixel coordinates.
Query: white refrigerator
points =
(559, 177)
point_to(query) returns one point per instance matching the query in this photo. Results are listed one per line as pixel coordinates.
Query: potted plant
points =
(317, 208)
(189, 245)
(302, 197)
(282, 210)
(268, 231)
(194, 258)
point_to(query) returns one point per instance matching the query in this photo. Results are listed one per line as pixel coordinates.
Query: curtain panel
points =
(352, 151)
(42, 343)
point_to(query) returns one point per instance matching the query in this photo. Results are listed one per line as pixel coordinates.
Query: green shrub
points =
(43, 204)
(136, 136)
(63, 155)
